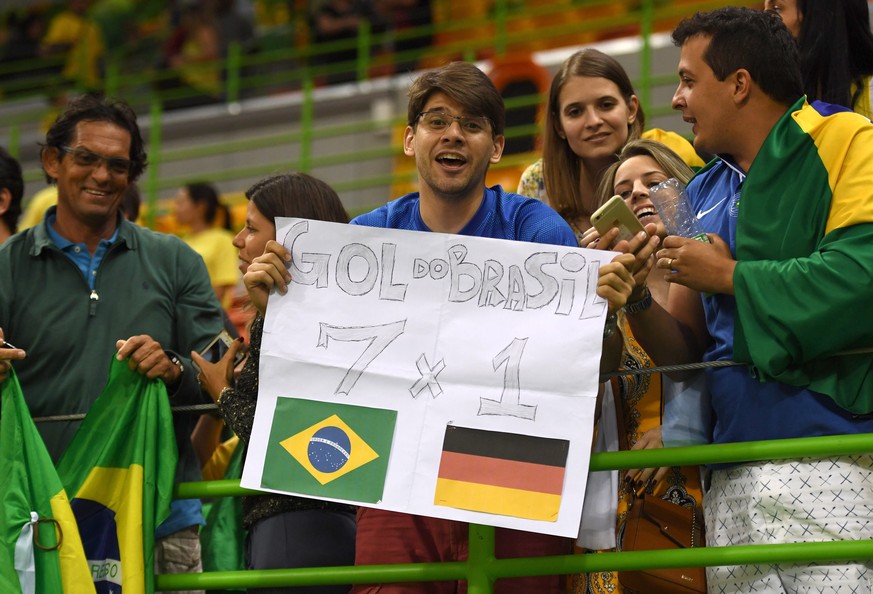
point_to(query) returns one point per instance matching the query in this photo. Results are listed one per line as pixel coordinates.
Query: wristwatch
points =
(178, 363)
(641, 305)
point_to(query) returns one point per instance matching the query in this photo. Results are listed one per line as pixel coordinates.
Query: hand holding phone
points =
(218, 346)
(213, 372)
(616, 213)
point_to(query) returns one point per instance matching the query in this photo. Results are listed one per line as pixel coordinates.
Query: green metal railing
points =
(291, 67)
(482, 568)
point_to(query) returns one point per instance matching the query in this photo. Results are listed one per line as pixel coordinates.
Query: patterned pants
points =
(179, 553)
(790, 501)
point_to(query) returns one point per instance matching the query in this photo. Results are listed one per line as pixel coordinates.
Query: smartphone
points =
(616, 213)
(216, 348)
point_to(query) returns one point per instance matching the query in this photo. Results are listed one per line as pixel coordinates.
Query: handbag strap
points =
(619, 415)
(622, 439)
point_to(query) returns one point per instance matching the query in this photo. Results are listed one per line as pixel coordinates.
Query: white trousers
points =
(790, 501)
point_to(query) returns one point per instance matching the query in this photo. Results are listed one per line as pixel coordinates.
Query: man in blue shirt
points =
(455, 132)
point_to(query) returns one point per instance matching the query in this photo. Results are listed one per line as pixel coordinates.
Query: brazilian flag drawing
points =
(41, 550)
(325, 449)
(119, 470)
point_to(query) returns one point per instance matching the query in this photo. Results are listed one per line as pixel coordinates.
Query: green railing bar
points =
(233, 70)
(316, 162)
(153, 171)
(22, 66)
(501, 32)
(276, 167)
(307, 119)
(211, 489)
(534, 99)
(802, 552)
(801, 447)
(465, 47)
(483, 568)
(645, 85)
(363, 65)
(138, 77)
(225, 176)
(113, 71)
(779, 449)
(523, 130)
(672, 11)
(268, 140)
(373, 574)
(548, 10)
(14, 147)
(42, 83)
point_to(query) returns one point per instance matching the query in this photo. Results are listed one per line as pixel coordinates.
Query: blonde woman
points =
(641, 165)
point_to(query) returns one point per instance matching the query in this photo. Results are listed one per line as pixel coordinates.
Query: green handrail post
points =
(364, 39)
(154, 170)
(14, 141)
(111, 84)
(233, 71)
(501, 16)
(646, 26)
(480, 558)
(307, 120)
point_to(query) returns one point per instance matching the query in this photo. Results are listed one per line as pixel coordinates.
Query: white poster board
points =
(439, 375)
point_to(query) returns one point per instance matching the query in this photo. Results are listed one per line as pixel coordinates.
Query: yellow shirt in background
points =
(216, 466)
(37, 206)
(86, 41)
(215, 246)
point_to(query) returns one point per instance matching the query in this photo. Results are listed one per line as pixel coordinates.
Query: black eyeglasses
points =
(85, 158)
(438, 121)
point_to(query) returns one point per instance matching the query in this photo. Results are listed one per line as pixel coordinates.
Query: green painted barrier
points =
(481, 569)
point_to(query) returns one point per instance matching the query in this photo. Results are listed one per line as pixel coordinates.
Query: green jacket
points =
(148, 283)
(804, 248)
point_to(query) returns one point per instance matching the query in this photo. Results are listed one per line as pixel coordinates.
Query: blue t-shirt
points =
(502, 215)
(747, 409)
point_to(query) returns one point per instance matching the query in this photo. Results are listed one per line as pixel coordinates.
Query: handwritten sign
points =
(433, 374)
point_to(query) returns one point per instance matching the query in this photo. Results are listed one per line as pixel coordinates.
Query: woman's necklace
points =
(578, 231)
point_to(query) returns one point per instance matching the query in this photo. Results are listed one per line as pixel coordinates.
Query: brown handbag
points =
(655, 524)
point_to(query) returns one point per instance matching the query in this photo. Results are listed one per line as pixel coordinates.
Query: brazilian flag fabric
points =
(804, 248)
(222, 538)
(331, 450)
(119, 471)
(41, 549)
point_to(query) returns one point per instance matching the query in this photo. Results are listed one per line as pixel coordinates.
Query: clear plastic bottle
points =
(671, 202)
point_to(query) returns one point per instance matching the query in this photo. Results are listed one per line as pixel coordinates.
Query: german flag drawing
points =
(501, 473)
